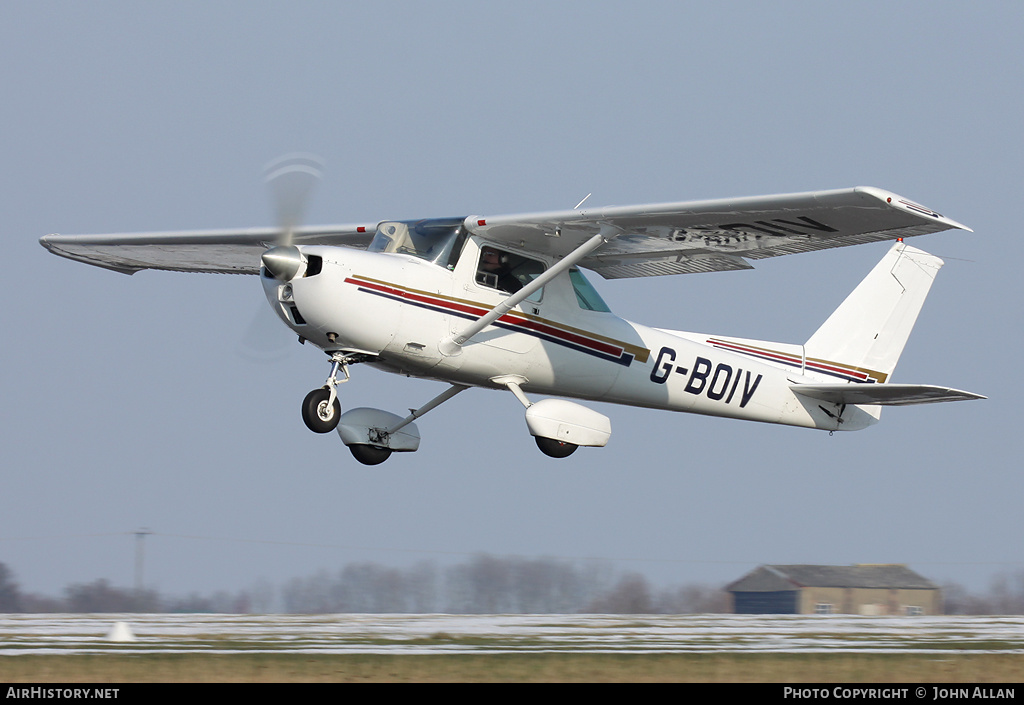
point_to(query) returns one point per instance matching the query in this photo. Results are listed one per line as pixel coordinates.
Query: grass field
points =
(511, 648)
(560, 667)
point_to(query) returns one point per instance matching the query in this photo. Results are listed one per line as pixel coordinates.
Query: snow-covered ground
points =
(403, 633)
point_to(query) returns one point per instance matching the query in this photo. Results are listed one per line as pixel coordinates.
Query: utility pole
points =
(140, 537)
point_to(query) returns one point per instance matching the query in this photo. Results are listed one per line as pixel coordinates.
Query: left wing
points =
(707, 236)
(214, 251)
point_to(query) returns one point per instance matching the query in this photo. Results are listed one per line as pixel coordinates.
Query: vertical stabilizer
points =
(869, 329)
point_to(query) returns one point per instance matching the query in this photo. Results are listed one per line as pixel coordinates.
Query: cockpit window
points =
(586, 295)
(507, 271)
(437, 240)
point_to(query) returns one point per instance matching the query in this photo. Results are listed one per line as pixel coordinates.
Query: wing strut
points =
(452, 345)
(432, 404)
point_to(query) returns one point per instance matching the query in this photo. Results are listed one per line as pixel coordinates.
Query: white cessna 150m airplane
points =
(501, 302)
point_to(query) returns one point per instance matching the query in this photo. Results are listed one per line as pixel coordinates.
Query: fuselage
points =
(397, 309)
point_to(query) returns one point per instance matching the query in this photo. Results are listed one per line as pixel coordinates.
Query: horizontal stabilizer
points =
(882, 394)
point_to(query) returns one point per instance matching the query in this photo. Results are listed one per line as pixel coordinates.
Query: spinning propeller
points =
(291, 179)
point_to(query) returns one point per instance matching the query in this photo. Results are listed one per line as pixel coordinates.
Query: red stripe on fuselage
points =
(508, 318)
(790, 359)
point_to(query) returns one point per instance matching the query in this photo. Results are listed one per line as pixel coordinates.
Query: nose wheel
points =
(321, 410)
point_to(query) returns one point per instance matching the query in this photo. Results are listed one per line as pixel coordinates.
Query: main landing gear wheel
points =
(321, 416)
(556, 449)
(369, 455)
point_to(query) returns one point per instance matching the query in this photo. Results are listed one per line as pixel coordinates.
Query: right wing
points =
(212, 251)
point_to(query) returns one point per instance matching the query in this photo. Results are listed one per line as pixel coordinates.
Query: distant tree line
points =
(1005, 596)
(490, 585)
(484, 584)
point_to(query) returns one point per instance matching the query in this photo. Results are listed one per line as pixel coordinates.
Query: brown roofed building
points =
(834, 589)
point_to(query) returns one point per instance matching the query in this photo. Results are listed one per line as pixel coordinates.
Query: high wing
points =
(213, 251)
(647, 240)
(719, 235)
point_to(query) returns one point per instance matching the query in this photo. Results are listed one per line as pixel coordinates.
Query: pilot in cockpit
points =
(494, 271)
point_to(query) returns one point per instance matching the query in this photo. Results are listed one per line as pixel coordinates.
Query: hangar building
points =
(888, 589)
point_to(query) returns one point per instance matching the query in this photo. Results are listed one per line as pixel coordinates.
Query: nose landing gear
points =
(321, 409)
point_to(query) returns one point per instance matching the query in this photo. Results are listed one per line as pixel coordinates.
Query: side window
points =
(507, 271)
(586, 295)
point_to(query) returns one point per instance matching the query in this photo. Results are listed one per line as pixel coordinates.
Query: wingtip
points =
(954, 224)
(905, 204)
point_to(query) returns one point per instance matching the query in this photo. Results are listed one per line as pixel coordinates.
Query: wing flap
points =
(212, 251)
(654, 266)
(882, 394)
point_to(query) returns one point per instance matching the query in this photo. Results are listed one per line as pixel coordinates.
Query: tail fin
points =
(868, 331)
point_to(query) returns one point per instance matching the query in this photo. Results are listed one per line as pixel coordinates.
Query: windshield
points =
(437, 240)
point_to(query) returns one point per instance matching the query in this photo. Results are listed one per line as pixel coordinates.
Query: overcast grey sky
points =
(126, 402)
